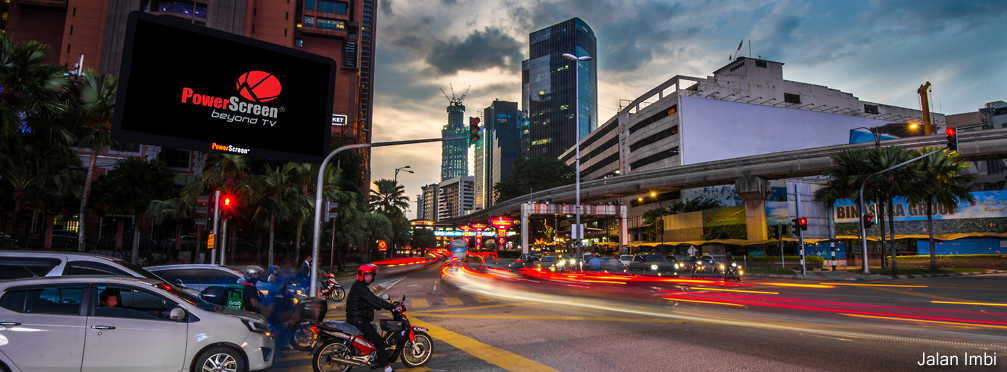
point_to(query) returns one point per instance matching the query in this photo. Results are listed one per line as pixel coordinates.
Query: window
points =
(299, 42)
(330, 24)
(334, 7)
(648, 121)
(17, 268)
(994, 166)
(654, 158)
(13, 301)
(762, 64)
(309, 21)
(91, 268)
(131, 303)
(176, 158)
(52, 300)
(309, 5)
(791, 98)
(654, 138)
(871, 109)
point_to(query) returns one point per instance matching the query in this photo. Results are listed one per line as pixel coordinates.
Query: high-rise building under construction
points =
(454, 154)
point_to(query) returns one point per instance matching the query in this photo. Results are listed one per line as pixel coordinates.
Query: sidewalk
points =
(848, 276)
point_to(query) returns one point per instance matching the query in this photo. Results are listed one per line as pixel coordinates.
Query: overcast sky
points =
(880, 51)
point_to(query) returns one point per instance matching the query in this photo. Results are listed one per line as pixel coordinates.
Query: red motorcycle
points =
(341, 346)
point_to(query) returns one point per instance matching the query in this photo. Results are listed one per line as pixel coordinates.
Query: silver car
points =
(103, 323)
(198, 276)
(27, 264)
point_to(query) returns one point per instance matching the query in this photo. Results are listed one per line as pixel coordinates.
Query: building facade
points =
(454, 154)
(496, 149)
(550, 87)
(455, 197)
(991, 175)
(429, 203)
(93, 31)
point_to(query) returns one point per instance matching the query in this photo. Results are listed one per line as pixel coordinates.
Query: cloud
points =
(480, 50)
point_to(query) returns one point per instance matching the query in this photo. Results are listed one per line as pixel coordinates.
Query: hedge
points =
(952, 257)
(807, 259)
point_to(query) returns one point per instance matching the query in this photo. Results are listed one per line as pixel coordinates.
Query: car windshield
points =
(625, 257)
(185, 296)
(654, 258)
(549, 259)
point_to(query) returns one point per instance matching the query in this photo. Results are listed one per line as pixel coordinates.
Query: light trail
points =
(732, 290)
(967, 303)
(927, 321)
(878, 285)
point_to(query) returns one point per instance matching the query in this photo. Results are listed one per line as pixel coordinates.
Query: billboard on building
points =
(989, 204)
(193, 87)
(716, 130)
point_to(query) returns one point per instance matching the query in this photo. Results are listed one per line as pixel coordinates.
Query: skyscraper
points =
(496, 149)
(454, 154)
(549, 89)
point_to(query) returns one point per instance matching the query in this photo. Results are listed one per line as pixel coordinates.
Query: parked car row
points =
(101, 313)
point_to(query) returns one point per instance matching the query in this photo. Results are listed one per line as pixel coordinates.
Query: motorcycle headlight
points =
(300, 292)
(653, 267)
(676, 266)
(734, 264)
(721, 267)
(741, 272)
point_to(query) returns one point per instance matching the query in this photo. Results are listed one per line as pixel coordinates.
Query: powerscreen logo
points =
(255, 86)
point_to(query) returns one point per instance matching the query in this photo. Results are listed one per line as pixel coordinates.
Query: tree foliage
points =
(528, 174)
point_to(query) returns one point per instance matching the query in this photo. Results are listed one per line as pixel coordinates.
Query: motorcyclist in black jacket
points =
(360, 305)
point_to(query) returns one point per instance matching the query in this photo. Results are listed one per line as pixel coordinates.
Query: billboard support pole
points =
(313, 287)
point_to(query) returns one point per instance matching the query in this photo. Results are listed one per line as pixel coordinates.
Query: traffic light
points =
(795, 226)
(800, 224)
(202, 210)
(474, 131)
(226, 207)
(952, 139)
(869, 220)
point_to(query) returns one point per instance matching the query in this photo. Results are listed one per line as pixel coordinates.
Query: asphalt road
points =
(495, 320)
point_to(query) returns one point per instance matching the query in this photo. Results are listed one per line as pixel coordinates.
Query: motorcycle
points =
(341, 346)
(734, 271)
(333, 290)
(698, 271)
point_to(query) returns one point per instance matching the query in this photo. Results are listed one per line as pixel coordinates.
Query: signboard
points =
(209, 242)
(382, 246)
(338, 119)
(197, 88)
(989, 204)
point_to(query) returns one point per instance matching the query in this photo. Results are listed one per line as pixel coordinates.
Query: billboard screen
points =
(196, 88)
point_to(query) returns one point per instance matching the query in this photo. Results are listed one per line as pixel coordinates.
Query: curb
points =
(332, 306)
(880, 277)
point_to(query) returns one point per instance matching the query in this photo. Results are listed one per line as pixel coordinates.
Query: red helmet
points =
(366, 269)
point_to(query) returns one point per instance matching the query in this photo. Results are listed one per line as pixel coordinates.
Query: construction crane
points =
(925, 101)
(455, 100)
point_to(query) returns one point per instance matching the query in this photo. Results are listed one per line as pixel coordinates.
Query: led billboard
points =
(196, 88)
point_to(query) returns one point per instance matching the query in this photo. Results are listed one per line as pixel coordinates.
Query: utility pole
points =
(800, 232)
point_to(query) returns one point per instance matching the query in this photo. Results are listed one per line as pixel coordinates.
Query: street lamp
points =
(660, 207)
(576, 77)
(396, 178)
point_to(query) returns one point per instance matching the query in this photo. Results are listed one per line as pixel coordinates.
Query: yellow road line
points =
(419, 302)
(452, 301)
(924, 295)
(481, 307)
(482, 299)
(797, 285)
(926, 321)
(731, 290)
(543, 317)
(967, 303)
(879, 285)
(502, 358)
(703, 302)
(417, 369)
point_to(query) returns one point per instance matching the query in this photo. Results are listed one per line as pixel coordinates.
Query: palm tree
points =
(891, 184)
(389, 199)
(280, 199)
(851, 168)
(379, 227)
(93, 110)
(181, 208)
(131, 186)
(941, 180)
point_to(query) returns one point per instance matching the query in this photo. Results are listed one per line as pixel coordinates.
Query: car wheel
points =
(221, 358)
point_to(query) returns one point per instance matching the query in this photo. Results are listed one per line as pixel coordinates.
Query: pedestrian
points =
(304, 271)
(594, 263)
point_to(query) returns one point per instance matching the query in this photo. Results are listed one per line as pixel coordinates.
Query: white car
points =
(626, 259)
(105, 323)
(27, 264)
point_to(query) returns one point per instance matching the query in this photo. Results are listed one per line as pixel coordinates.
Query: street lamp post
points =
(396, 178)
(578, 229)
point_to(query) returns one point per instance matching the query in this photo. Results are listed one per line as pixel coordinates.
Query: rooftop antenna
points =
(453, 99)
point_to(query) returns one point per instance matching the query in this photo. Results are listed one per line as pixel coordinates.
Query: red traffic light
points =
(803, 223)
(950, 131)
(227, 202)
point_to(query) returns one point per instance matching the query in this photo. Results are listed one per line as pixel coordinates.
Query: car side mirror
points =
(385, 297)
(177, 314)
(180, 284)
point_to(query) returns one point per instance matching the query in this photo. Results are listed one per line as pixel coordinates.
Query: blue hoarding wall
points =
(824, 250)
(963, 246)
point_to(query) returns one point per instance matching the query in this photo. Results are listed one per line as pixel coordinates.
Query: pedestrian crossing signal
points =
(474, 131)
(869, 220)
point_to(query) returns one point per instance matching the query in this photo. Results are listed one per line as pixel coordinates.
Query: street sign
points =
(692, 250)
(382, 247)
(209, 242)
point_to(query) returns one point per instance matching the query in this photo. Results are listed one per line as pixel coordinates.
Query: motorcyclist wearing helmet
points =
(250, 294)
(360, 305)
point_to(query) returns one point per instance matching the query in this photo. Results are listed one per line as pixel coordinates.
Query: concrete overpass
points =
(748, 174)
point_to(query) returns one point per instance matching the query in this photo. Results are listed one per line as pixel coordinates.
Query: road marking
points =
(967, 303)
(925, 321)
(547, 317)
(731, 290)
(502, 358)
(879, 285)
(482, 299)
(481, 307)
(452, 301)
(417, 369)
(916, 294)
(702, 302)
(419, 302)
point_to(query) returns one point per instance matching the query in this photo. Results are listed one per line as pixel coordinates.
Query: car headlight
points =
(741, 272)
(653, 267)
(734, 264)
(676, 266)
(257, 327)
(721, 267)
